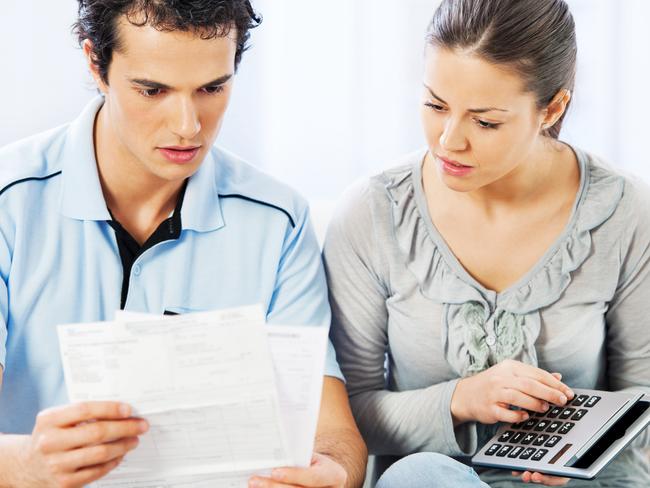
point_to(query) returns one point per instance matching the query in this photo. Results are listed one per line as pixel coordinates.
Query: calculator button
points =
(579, 400)
(528, 438)
(529, 451)
(566, 428)
(579, 414)
(505, 437)
(492, 449)
(554, 412)
(530, 424)
(504, 450)
(518, 425)
(539, 455)
(542, 425)
(517, 437)
(566, 414)
(592, 401)
(552, 441)
(515, 452)
(554, 426)
(541, 439)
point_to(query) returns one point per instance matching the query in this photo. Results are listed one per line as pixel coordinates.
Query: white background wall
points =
(330, 90)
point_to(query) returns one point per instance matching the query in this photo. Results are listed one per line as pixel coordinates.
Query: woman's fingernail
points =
(278, 474)
(255, 483)
(563, 399)
(143, 426)
(545, 406)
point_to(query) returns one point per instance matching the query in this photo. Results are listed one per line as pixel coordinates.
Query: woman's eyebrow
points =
(472, 110)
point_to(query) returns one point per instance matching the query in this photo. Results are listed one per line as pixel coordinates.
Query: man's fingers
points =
(76, 413)
(97, 455)
(92, 433)
(93, 473)
(260, 482)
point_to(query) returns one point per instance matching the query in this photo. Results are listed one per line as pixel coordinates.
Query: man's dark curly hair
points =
(207, 18)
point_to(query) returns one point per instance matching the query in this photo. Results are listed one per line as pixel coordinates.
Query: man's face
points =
(166, 96)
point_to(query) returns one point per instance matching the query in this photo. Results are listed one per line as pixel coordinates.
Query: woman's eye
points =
(211, 90)
(435, 106)
(486, 125)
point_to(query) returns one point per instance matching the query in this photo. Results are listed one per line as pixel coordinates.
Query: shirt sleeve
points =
(5, 265)
(300, 293)
(628, 315)
(391, 422)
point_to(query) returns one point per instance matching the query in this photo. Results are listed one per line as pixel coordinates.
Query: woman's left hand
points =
(542, 479)
(323, 472)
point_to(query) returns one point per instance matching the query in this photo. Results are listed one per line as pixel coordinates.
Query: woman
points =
(498, 268)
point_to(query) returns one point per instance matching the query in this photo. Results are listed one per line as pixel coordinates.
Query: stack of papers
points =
(226, 395)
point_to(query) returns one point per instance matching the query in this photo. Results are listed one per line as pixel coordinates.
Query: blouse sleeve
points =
(394, 423)
(628, 315)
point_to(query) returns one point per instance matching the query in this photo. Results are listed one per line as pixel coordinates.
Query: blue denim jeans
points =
(429, 470)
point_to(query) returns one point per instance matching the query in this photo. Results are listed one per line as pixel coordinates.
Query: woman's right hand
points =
(487, 396)
(76, 444)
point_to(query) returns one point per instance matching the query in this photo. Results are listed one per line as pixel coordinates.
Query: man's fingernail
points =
(545, 406)
(143, 426)
(563, 399)
(277, 474)
(125, 410)
(255, 483)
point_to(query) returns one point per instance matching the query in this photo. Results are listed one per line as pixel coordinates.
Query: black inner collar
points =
(169, 229)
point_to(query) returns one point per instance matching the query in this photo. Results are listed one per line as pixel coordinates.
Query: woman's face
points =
(480, 123)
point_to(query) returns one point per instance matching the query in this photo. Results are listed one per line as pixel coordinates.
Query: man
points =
(131, 206)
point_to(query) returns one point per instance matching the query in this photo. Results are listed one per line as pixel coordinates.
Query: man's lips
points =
(179, 154)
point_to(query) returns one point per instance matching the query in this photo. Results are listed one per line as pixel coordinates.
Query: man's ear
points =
(554, 111)
(88, 50)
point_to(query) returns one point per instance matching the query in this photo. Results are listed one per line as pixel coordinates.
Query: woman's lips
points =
(453, 168)
(178, 154)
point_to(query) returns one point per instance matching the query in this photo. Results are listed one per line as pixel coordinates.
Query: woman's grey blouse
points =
(409, 321)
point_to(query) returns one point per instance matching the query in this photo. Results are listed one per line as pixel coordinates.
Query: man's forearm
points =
(12, 468)
(347, 448)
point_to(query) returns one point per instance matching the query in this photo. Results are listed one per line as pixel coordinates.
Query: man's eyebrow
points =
(472, 110)
(155, 85)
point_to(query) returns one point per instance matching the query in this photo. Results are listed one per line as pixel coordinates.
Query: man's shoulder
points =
(34, 158)
(241, 181)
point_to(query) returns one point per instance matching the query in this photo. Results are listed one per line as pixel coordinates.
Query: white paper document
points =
(225, 395)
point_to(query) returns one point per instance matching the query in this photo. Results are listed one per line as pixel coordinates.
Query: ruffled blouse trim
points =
(424, 250)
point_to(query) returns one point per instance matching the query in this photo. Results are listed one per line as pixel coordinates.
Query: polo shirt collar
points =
(82, 197)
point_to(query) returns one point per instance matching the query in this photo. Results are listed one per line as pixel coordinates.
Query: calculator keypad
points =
(532, 439)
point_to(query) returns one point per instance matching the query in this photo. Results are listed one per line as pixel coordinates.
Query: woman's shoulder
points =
(372, 197)
(626, 194)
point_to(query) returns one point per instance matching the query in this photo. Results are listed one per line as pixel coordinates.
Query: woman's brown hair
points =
(535, 38)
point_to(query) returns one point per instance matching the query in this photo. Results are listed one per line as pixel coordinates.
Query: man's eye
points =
(150, 92)
(211, 90)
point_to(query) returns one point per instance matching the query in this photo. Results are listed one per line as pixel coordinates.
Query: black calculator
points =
(576, 440)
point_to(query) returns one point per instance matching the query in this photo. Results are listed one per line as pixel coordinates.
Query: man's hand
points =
(543, 479)
(74, 445)
(324, 472)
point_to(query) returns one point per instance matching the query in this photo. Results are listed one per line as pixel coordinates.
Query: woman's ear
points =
(88, 50)
(554, 111)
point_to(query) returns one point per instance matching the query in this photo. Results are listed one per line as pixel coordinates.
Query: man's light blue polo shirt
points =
(245, 239)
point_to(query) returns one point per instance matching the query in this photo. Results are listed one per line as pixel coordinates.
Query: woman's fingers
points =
(538, 390)
(517, 398)
(548, 379)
